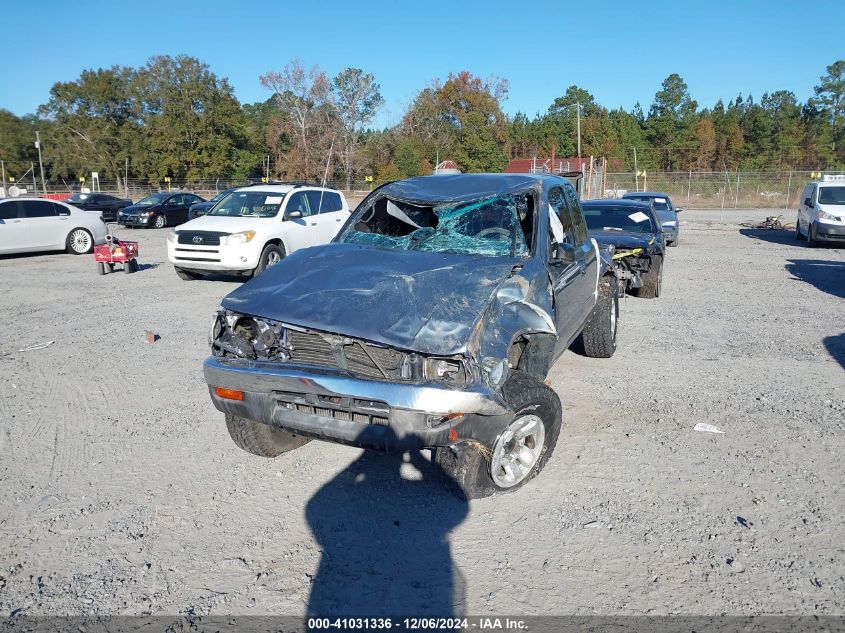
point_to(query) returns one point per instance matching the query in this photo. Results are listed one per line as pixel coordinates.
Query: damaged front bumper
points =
(339, 408)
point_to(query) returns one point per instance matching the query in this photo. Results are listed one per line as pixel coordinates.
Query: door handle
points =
(582, 268)
(338, 220)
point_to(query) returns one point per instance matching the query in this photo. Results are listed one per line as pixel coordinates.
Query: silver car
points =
(33, 224)
(666, 212)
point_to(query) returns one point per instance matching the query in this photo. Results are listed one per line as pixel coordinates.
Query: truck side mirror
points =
(808, 202)
(295, 214)
(678, 209)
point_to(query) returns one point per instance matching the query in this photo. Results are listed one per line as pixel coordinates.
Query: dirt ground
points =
(123, 494)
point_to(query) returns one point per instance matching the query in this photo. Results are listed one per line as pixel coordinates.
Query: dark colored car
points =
(630, 231)
(431, 320)
(166, 208)
(107, 205)
(199, 209)
(666, 212)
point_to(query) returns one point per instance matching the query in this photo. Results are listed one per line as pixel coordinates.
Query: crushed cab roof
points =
(461, 187)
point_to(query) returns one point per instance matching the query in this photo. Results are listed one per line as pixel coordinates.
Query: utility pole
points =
(34, 181)
(3, 167)
(126, 178)
(40, 162)
(578, 117)
(636, 170)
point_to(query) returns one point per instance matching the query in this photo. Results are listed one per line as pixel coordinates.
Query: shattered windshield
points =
(498, 226)
(249, 204)
(621, 218)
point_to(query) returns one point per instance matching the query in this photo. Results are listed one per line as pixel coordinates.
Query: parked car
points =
(431, 320)
(631, 231)
(107, 205)
(199, 209)
(166, 208)
(255, 227)
(32, 224)
(666, 212)
(821, 214)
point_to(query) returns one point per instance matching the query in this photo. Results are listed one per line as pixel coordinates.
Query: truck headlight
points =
(144, 214)
(448, 370)
(173, 237)
(239, 238)
(671, 224)
(495, 371)
(824, 215)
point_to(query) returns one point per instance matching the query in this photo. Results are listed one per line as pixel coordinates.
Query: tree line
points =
(173, 117)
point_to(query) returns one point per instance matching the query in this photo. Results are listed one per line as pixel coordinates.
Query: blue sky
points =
(619, 51)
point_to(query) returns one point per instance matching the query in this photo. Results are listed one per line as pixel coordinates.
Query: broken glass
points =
(492, 227)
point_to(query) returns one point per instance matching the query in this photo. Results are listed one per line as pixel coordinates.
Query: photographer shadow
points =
(383, 525)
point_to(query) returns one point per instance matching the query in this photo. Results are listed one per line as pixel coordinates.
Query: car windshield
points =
(831, 195)
(219, 196)
(156, 198)
(79, 197)
(493, 227)
(660, 203)
(260, 204)
(621, 218)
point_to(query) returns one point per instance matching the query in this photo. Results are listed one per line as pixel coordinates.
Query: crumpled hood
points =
(424, 302)
(224, 223)
(622, 239)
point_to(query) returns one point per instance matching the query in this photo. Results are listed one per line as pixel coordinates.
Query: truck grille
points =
(361, 359)
(201, 238)
(336, 407)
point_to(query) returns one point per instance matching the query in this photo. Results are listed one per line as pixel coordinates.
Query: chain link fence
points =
(692, 189)
(715, 190)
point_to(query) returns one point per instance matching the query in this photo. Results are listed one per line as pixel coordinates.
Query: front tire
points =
(812, 242)
(599, 334)
(798, 235)
(270, 256)
(520, 451)
(652, 281)
(185, 275)
(79, 242)
(161, 221)
(262, 439)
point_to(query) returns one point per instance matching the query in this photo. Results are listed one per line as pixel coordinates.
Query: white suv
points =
(254, 227)
(821, 216)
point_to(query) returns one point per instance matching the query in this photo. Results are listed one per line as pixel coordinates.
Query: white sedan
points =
(33, 224)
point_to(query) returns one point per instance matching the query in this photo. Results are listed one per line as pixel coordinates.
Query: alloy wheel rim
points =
(517, 451)
(80, 242)
(160, 222)
(273, 258)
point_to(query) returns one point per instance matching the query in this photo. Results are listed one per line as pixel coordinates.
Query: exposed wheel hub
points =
(517, 451)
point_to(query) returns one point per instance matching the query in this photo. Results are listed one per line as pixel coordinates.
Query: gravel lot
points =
(123, 494)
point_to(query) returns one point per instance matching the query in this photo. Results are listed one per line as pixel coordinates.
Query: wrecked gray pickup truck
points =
(431, 320)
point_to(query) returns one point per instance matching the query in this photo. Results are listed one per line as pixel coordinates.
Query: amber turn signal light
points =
(229, 394)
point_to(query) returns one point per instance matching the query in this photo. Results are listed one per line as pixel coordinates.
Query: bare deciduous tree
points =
(306, 120)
